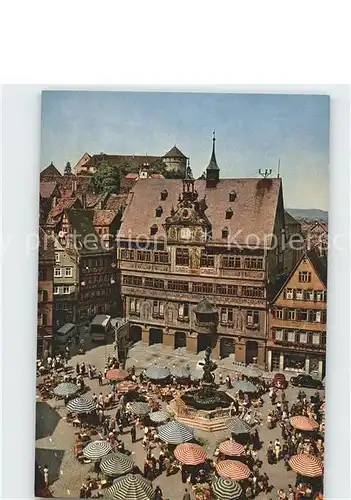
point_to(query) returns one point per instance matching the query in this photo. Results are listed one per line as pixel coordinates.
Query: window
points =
(42, 274)
(203, 287)
(44, 319)
(291, 314)
(134, 306)
(153, 229)
(279, 335)
(161, 257)
(228, 213)
(66, 290)
(320, 296)
(308, 295)
(44, 295)
(253, 263)
(289, 293)
(154, 283)
(299, 294)
(252, 291)
(227, 315)
(315, 338)
(231, 261)
(279, 313)
(317, 316)
(159, 211)
(164, 194)
(58, 272)
(303, 315)
(68, 272)
(291, 337)
(303, 338)
(207, 260)
(158, 308)
(183, 310)
(227, 290)
(57, 257)
(143, 255)
(56, 290)
(132, 280)
(178, 286)
(232, 196)
(127, 254)
(304, 276)
(225, 232)
(252, 318)
(182, 257)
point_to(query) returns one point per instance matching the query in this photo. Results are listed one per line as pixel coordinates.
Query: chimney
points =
(84, 201)
(74, 186)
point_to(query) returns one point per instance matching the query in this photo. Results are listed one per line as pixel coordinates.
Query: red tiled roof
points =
(50, 173)
(47, 188)
(62, 204)
(103, 217)
(46, 247)
(66, 184)
(116, 202)
(132, 175)
(254, 209)
(157, 176)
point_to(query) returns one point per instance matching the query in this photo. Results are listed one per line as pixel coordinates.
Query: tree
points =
(107, 178)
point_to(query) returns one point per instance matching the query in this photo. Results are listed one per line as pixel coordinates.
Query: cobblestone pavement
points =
(57, 437)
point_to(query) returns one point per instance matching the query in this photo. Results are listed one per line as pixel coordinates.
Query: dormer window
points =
(228, 213)
(232, 195)
(159, 211)
(164, 194)
(225, 232)
(153, 229)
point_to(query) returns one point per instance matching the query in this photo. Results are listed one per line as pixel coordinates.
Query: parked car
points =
(279, 381)
(306, 381)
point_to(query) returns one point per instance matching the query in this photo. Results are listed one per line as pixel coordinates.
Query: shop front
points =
(296, 362)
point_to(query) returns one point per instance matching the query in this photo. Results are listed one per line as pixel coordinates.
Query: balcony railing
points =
(183, 319)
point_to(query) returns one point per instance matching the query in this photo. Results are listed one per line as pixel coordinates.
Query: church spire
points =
(213, 161)
(212, 171)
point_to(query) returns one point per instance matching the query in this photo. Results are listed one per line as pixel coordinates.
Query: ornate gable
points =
(188, 221)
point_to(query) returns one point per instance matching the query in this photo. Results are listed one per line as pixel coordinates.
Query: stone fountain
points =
(206, 408)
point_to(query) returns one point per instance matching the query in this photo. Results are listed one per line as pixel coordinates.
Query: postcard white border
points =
(20, 173)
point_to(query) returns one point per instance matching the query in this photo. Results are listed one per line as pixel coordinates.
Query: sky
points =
(253, 131)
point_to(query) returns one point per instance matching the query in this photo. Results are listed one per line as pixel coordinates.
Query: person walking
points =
(133, 433)
(158, 493)
(167, 466)
(46, 475)
(100, 379)
(186, 495)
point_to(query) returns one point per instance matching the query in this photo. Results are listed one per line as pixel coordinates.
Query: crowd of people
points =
(159, 458)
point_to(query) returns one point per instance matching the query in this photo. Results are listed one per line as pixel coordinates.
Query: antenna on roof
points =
(278, 173)
(266, 173)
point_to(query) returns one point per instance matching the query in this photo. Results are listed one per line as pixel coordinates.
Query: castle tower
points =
(212, 171)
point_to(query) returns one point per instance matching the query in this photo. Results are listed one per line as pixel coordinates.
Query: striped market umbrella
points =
(116, 464)
(190, 454)
(244, 386)
(155, 372)
(226, 489)
(159, 416)
(306, 465)
(175, 433)
(252, 371)
(181, 371)
(231, 448)
(97, 449)
(126, 386)
(81, 405)
(233, 470)
(117, 374)
(304, 423)
(131, 487)
(66, 389)
(139, 408)
(196, 374)
(237, 425)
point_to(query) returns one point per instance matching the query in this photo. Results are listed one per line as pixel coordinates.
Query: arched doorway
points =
(227, 347)
(155, 336)
(135, 334)
(203, 341)
(179, 340)
(251, 351)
